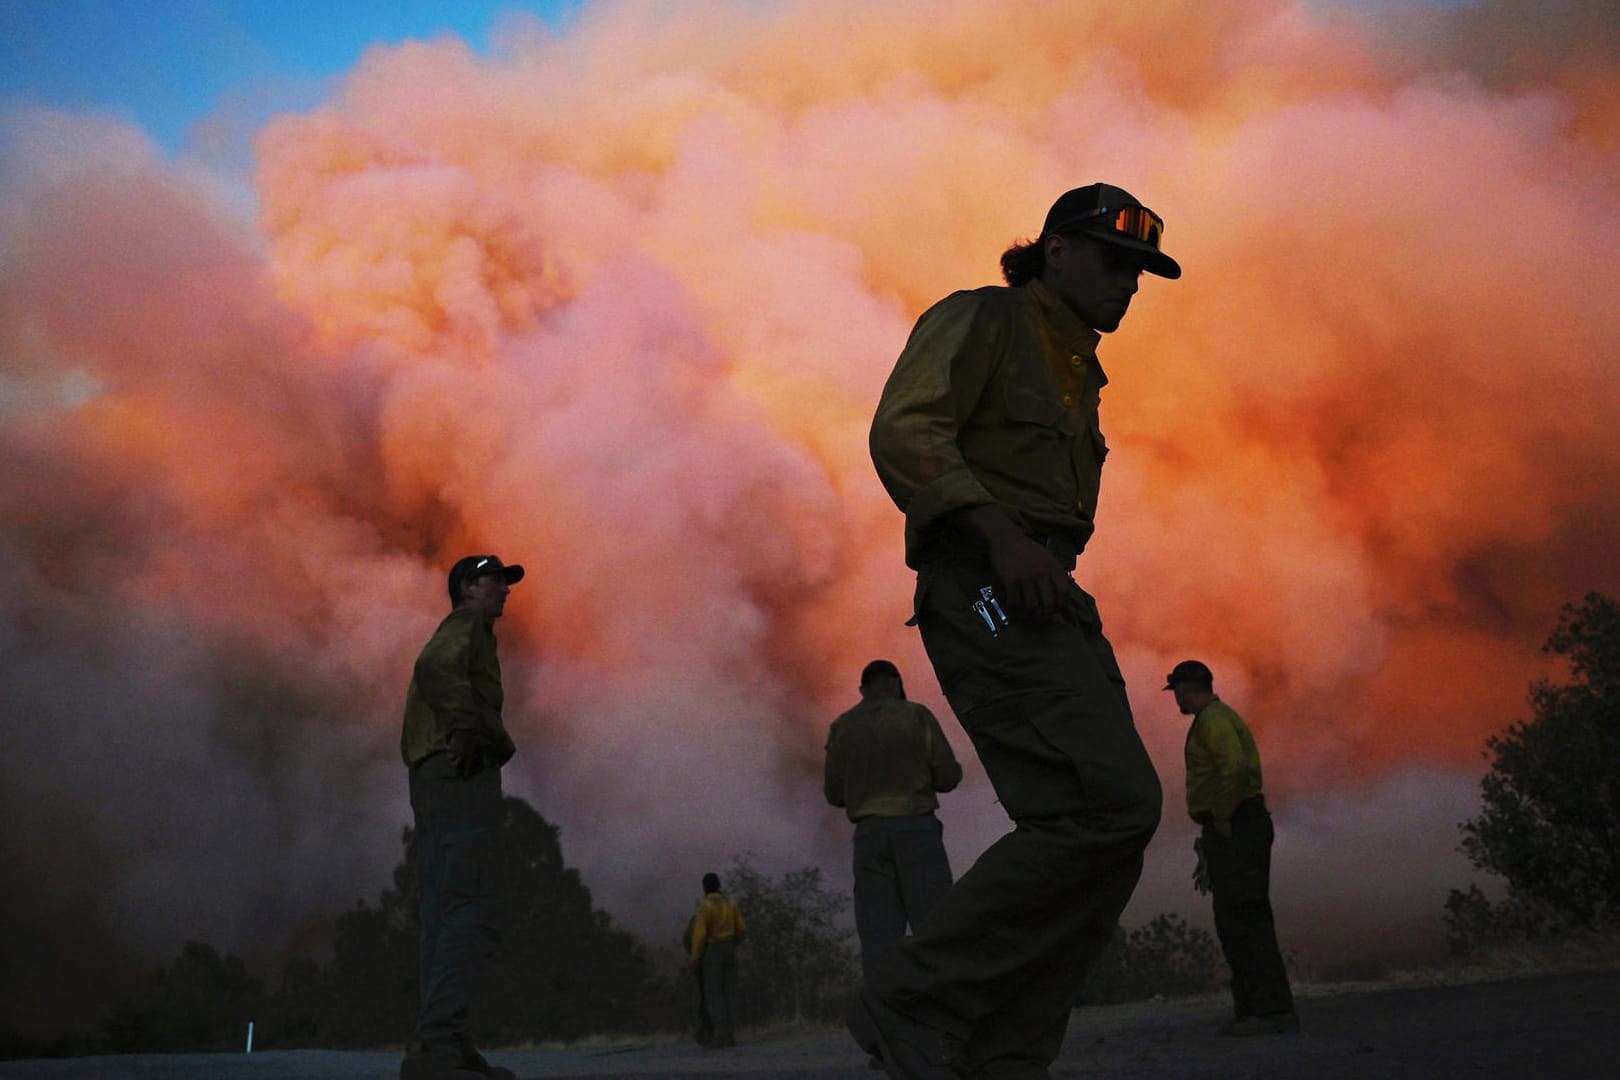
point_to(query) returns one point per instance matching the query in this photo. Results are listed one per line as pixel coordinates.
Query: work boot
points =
(909, 1050)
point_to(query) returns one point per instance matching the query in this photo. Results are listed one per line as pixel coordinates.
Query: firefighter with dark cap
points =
(454, 744)
(1234, 851)
(988, 438)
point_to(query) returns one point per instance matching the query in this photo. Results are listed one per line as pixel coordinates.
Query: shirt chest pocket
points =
(1044, 415)
(1045, 439)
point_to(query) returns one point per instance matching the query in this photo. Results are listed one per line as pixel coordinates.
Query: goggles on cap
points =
(1136, 222)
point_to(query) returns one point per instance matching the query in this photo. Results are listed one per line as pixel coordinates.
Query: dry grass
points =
(1596, 950)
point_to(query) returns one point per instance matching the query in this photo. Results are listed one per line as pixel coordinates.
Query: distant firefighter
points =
(987, 438)
(886, 759)
(1234, 851)
(454, 744)
(717, 929)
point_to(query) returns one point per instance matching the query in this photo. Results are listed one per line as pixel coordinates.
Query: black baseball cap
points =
(477, 566)
(1115, 216)
(1192, 671)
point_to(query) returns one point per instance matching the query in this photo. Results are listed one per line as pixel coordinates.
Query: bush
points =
(1551, 800)
(799, 962)
(1167, 957)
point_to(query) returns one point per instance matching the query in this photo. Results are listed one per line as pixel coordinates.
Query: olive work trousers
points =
(458, 859)
(1240, 884)
(1000, 960)
(901, 871)
(719, 967)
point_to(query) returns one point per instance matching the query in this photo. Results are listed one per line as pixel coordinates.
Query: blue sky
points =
(166, 64)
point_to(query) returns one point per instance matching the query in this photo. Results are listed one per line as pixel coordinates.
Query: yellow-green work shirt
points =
(885, 758)
(717, 919)
(456, 686)
(1223, 763)
(994, 401)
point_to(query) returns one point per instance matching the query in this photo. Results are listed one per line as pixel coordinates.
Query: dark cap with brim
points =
(1189, 671)
(474, 566)
(1088, 210)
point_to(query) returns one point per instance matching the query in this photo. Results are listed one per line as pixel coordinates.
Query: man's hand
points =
(1201, 870)
(463, 751)
(1033, 582)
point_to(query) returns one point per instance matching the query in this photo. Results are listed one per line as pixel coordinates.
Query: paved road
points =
(1550, 1028)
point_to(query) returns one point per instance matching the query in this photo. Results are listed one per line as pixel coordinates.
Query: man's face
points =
(1189, 696)
(486, 594)
(1094, 278)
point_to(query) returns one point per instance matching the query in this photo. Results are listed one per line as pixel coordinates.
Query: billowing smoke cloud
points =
(617, 304)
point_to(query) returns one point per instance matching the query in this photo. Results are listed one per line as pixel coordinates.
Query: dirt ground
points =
(1558, 1027)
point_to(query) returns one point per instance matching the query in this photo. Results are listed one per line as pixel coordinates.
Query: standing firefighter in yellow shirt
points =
(987, 438)
(886, 758)
(717, 929)
(1224, 796)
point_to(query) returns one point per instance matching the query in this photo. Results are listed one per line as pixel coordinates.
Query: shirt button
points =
(1068, 401)
(1077, 361)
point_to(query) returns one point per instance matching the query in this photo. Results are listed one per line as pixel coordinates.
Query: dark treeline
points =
(1551, 811)
(564, 970)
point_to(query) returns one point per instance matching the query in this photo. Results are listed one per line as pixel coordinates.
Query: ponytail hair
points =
(1023, 263)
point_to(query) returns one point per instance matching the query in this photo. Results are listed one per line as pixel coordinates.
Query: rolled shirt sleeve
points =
(932, 391)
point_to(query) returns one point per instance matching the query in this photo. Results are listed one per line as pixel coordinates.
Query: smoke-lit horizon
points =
(616, 303)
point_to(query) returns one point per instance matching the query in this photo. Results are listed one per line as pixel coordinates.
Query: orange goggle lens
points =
(1140, 223)
(1136, 222)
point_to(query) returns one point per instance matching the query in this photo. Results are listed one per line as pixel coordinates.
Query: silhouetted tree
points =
(1552, 796)
(562, 970)
(203, 1001)
(299, 1013)
(367, 996)
(799, 962)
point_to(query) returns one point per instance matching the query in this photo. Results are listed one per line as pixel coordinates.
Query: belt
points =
(1060, 547)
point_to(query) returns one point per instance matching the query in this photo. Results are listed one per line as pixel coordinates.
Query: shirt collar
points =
(1061, 319)
(1067, 328)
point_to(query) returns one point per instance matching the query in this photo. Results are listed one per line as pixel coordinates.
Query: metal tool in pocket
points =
(988, 608)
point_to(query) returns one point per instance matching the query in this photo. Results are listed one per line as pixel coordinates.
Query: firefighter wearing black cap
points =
(987, 438)
(1224, 796)
(454, 744)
